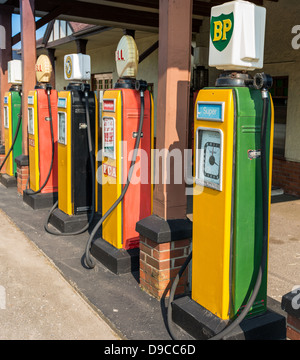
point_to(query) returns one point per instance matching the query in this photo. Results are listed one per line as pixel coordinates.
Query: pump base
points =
(68, 223)
(8, 181)
(119, 261)
(202, 324)
(40, 201)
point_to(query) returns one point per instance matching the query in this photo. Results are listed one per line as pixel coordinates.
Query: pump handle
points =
(262, 81)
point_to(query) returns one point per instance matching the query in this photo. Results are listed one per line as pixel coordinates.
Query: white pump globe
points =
(127, 57)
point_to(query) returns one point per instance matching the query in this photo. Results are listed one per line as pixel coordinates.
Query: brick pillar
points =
(165, 235)
(2, 157)
(164, 247)
(22, 162)
(159, 265)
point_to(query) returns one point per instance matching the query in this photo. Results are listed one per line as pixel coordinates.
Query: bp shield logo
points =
(221, 30)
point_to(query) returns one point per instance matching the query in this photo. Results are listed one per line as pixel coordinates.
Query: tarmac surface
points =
(47, 293)
(37, 302)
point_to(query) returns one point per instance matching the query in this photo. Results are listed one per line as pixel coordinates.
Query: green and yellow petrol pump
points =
(127, 140)
(77, 136)
(233, 128)
(12, 122)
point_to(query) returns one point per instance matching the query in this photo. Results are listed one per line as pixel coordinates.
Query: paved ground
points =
(36, 301)
(50, 294)
(284, 253)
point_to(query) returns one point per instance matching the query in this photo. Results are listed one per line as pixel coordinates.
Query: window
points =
(279, 92)
(102, 82)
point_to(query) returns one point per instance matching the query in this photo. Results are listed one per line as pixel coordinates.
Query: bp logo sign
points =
(221, 30)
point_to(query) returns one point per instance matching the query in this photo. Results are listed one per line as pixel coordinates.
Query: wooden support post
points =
(165, 236)
(174, 73)
(5, 57)
(51, 54)
(28, 60)
(81, 46)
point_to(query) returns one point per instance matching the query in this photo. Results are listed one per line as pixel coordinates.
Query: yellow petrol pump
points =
(12, 123)
(233, 126)
(77, 136)
(127, 140)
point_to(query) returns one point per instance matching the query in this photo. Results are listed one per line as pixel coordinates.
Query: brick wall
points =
(159, 265)
(286, 174)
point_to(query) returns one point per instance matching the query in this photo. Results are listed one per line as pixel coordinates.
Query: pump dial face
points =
(209, 158)
(212, 160)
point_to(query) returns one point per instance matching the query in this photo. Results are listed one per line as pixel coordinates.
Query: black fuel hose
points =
(91, 155)
(28, 192)
(16, 135)
(264, 254)
(88, 260)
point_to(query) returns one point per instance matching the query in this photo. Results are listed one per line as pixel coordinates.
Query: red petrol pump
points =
(127, 128)
(42, 139)
(233, 127)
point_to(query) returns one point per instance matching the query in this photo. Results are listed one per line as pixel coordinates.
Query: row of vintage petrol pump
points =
(69, 168)
(232, 165)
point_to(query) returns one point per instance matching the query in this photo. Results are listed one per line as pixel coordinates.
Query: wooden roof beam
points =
(43, 21)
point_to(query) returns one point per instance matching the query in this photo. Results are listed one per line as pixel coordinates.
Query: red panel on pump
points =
(45, 141)
(137, 201)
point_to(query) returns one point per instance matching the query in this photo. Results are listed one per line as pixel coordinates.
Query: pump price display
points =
(109, 137)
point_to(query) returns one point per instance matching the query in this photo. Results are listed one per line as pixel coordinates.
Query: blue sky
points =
(16, 26)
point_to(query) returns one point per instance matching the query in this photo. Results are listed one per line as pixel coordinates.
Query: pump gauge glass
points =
(62, 128)
(31, 121)
(6, 120)
(209, 145)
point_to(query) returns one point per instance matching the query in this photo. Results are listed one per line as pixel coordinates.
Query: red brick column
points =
(159, 265)
(2, 157)
(164, 247)
(22, 173)
(22, 178)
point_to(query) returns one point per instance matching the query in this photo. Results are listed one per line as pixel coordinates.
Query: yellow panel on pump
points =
(33, 141)
(213, 200)
(8, 132)
(65, 203)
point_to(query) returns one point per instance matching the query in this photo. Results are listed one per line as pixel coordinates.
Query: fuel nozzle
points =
(262, 81)
(141, 85)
